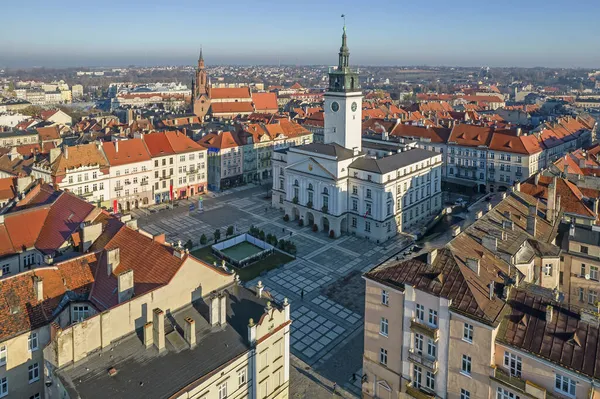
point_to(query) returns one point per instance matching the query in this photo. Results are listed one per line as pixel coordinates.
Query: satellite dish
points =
(587, 276)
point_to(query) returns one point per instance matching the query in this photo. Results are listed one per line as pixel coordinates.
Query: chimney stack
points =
(158, 335)
(431, 256)
(38, 288)
(551, 201)
(90, 234)
(117, 146)
(125, 285)
(113, 258)
(148, 334)
(517, 185)
(214, 309)
(549, 313)
(190, 332)
(251, 331)
(222, 309)
(537, 178)
(66, 152)
(492, 288)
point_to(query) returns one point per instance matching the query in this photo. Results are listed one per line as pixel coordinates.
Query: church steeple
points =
(200, 60)
(342, 78)
(344, 61)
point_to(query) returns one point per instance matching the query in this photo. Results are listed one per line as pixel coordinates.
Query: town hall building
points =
(336, 186)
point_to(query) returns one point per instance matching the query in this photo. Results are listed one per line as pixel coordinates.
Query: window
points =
(354, 222)
(582, 270)
(354, 204)
(383, 327)
(369, 208)
(264, 389)
(417, 376)
(383, 356)
(385, 297)
(242, 377)
(223, 390)
(592, 297)
(2, 355)
(418, 343)
(583, 249)
(354, 190)
(3, 387)
(420, 313)
(548, 269)
(513, 363)
(430, 380)
(5, 269)
(594, 272)
(466, 365)
(32, 342)
(504, 394)
(433, 317)
(464, 394)
(468, 332)
(431, 348)
(80, 312)
(564, 385)
(34, 373)
(581, 294)
(36, 396)
(368, 193)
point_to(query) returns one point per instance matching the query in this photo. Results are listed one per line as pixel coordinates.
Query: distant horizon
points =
(464, 33)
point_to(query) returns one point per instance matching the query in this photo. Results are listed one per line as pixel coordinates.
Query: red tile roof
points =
(571, 198)
(220, 93)
(124, 152)
(470, 136)
(158, 144)
(180, 143)
(49, 133)
(221, 140)
(24, 227)
(511, 143)
(8, 189)
(232, 107)
(436, 135)
(78, 156)
(265, 101)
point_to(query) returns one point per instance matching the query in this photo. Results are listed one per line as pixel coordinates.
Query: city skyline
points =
(268, 33)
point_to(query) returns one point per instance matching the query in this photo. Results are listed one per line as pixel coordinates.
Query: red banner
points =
(171, 192)
(115, 206)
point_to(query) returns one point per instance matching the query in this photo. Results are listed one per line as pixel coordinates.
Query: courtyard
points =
(322, 283)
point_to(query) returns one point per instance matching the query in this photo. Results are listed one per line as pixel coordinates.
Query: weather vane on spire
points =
(344, 16)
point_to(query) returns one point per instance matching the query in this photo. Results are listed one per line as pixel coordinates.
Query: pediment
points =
(312, 167)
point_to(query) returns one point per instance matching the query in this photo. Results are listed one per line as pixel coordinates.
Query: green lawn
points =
(249, 272)
(241, 251)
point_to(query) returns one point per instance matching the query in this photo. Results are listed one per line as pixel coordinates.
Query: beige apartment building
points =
(137, 318)
(463, 322)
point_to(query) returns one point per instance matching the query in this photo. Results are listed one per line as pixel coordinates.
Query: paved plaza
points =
(321, 326)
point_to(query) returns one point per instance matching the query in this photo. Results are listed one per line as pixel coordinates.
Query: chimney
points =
(158, 335)
(251, 332)
(489, 206)
(222, 309)
(537, 178)
(431, 256)
(519, 131)
(473, 264)
(385, 136)
(113, 258)
(355, 151)
(490, 242)
(90, 233)
(478, 214)
(190, 332)
(38, 288)
(66, 152)
(551, 200)
(159, 238)
(455, 230)
(148, 334)
(213, 316)
(117, 146)
(549, 313)
(532, 220)
(557, 208)
(566, 171)
(125, 285)
(259, 289)
(517, 185)
(595, 205)
(492, 288)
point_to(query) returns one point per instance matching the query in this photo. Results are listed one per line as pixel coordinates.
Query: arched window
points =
(325, 191)
(296, 183)
(310, 186)
(352, 83)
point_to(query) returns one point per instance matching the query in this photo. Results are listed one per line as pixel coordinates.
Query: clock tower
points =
(343, 103)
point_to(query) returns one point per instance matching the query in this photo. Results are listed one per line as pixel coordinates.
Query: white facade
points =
(343, 119)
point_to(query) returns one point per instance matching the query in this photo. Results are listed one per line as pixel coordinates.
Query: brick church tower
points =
(200, 90)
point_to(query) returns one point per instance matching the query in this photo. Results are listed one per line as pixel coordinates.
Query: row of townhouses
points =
(485, 316)
(95, 307)
(127, 174)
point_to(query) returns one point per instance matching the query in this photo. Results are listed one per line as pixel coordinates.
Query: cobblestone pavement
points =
(312, 282)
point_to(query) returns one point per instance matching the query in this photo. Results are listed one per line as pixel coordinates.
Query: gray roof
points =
(393, 162)
(144, 373)
(15, 133)
(331, 150)
(583, 235)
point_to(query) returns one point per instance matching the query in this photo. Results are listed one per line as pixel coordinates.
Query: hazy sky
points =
(384, 32)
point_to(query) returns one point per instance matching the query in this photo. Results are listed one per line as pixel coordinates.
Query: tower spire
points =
(344, 61)
(200, 57)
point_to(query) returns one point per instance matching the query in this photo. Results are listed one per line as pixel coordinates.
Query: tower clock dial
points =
(354, 106)
(335, 106)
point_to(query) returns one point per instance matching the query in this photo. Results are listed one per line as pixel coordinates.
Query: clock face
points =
(354, 106)
(335, 106)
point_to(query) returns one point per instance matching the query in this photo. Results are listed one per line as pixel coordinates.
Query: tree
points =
(229, 231)
(217, 235)
(261, 235)
(189, 244)
(203, 239)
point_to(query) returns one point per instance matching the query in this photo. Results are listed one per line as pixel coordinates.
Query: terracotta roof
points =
(221, 140)
(40, 194)
(265, 101)
(45, 115)
(449, 277)
(511, 143)
(22, 312)
(373, 113)
(124, 152)
(218, 93)
(571, 198)
(483, 99)
(180, 143)
(24, 227)
(158, 144)
(78, 156)
(296, 86)
(153, 265)
(566, 339)
(49, 133)
(8, 188)
(231, 107)
(436, 135)
(470, 136)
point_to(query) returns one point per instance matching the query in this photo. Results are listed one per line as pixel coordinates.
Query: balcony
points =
(519, 174)
(144, 183)
(520, 385)
(191, 172)
(423, 359)
(421, 327)
(164, 177)
(418, 393)
(467, 167)
(88, 194)
(118, 188)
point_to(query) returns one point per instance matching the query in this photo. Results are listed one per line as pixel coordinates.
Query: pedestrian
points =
(334, 388)
(302, 294)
